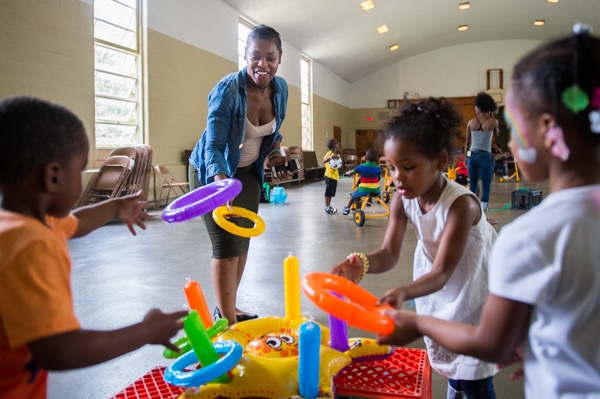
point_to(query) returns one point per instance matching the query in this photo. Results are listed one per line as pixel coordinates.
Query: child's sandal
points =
(491, 221)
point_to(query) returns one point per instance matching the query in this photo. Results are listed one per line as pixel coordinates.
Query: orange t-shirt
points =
(35, 296)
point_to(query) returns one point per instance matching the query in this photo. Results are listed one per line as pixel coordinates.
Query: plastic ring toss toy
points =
(219, 218)
(361, 313)
(202, 200)
(176, 375)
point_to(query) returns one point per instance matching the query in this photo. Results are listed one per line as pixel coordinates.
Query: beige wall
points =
(326, 115)
(179, 78)
(47, 51)
(292, 126)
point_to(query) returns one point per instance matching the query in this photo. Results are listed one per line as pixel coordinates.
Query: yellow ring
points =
(219, 218)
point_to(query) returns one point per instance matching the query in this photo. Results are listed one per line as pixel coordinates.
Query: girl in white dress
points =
(454, 239)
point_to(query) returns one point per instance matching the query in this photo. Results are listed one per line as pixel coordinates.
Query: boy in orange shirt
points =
(43, 149)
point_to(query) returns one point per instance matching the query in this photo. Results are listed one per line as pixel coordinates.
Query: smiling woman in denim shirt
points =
(245, 113)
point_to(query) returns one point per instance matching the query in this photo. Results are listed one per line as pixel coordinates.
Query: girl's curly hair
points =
(430, 125)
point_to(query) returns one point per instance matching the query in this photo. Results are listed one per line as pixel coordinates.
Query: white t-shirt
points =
(550, 258)
(463, 296)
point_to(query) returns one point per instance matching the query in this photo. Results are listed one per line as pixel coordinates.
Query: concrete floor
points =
(117, 277)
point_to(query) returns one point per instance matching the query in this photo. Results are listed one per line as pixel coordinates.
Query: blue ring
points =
(175, 375)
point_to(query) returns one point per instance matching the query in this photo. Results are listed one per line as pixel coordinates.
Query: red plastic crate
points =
(151, 386)
(405, 374)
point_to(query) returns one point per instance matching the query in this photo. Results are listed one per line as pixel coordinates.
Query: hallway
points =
(117, 277)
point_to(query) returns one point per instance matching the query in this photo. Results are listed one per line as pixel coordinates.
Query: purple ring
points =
(202, 200)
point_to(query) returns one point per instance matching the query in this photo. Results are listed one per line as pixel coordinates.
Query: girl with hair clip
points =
(545, 267)
(454, 238)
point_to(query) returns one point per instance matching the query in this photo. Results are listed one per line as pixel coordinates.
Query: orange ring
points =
(219, 218)
(361, 312)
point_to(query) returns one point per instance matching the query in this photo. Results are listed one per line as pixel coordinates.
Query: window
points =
(244, 29)
(306, 103)
(117, 73)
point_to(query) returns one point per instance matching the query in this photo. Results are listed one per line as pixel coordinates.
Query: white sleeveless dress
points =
(463, 296)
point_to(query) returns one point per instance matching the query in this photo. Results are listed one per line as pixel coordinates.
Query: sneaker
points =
(330, 210)
(505, 177)
(345, 211)
(217, 314)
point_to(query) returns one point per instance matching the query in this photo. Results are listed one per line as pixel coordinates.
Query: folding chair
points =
(350, 162)
(168, 183)
(110, 181)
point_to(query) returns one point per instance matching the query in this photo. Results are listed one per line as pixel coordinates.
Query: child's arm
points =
(329, 156)
(128, 208)
(463, 214)
(503, 326)
(81, 348)
(387, 256)
(350, 172)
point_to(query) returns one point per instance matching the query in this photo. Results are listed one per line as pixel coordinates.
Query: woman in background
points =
(478, 147)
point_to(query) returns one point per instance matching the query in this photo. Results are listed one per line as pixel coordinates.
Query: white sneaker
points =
(330, 210)
(506, 177)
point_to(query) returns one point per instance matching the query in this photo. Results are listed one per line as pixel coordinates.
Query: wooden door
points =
(337, 134)
(367, 139)
(466, 107)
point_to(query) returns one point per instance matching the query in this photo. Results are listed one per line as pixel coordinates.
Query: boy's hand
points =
(352, 268)
(162, 326)
(132, 211)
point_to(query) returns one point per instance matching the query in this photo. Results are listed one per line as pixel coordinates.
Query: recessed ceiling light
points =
(382, 29)
(367, 5)
(463, 28)
(394, 47)
(539, 22)
(552, 1)
(464, 6)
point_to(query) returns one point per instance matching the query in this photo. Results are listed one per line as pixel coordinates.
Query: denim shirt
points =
(220, 148)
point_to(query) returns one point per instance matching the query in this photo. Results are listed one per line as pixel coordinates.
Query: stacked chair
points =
(126, 171)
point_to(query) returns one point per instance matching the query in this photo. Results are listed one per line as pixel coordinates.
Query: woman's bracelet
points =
(273, 153)
(365, 262)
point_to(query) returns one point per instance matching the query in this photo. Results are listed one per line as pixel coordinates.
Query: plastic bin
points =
(405, 374)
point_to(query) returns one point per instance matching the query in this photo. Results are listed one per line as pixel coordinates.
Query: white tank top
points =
(253, 140)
